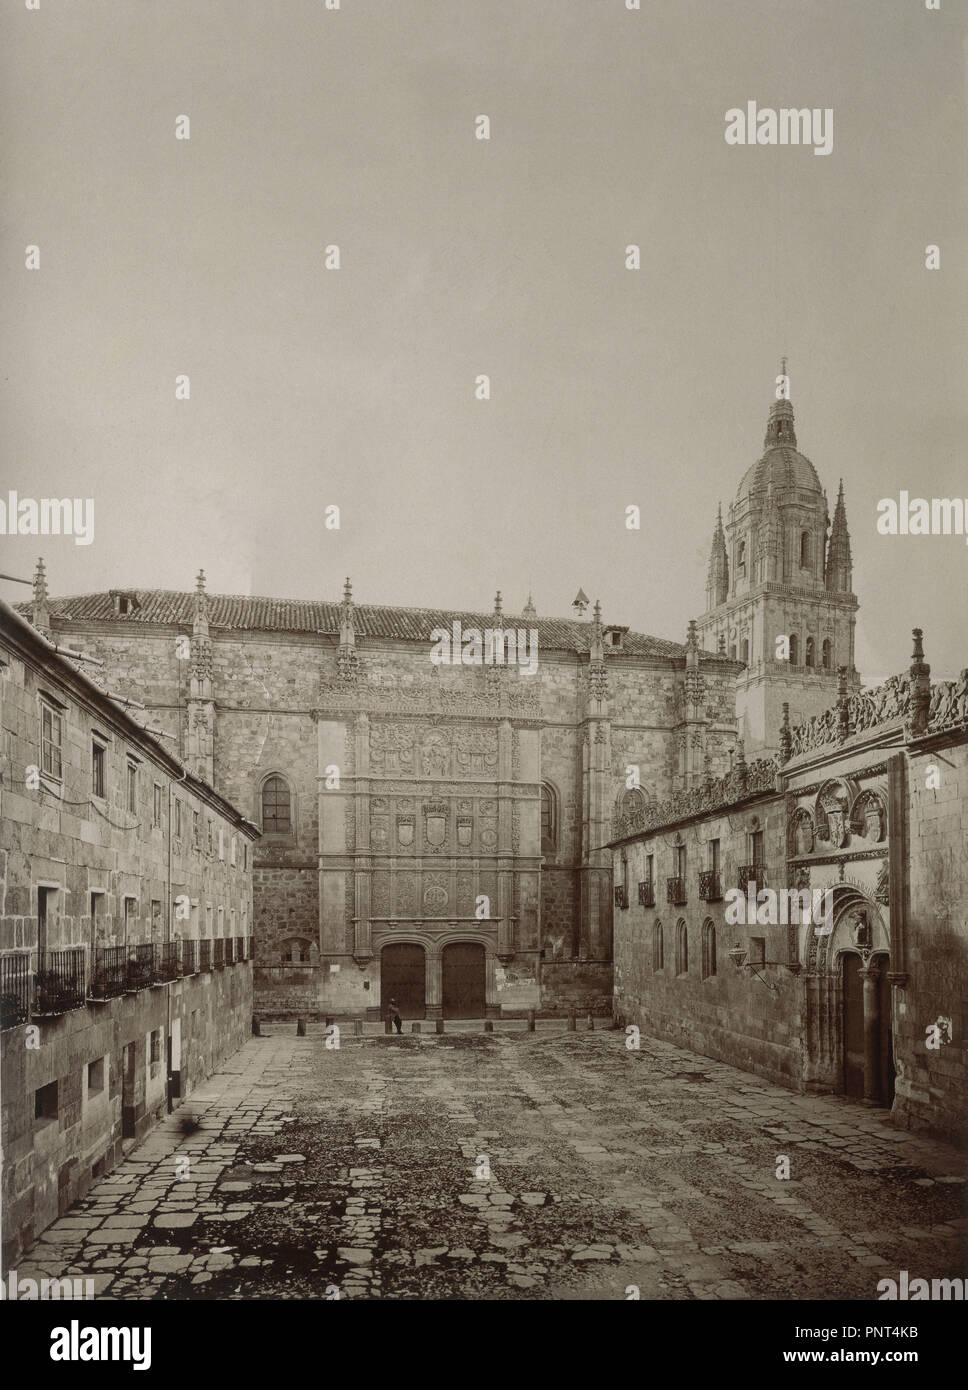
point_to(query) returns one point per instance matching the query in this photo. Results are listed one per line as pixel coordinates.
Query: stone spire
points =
(200, 742)
(717, 576)
(838, 574)
(920, 686)
(347, 661)
(40, 617)
(529, 609)
(498, 613)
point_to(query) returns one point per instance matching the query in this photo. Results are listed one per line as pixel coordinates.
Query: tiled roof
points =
(229, 612)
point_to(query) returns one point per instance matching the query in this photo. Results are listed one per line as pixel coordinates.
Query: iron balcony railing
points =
(188, 958)
(205, 955)
(219, 952)
(109, 973)
(230, 950)
(647, 893)
(59, 981)
(621, 897)
(710, 889)
(14, 990)
(167, 965)
(751, 873)
(676, 891)
(240, 948)
(140, 967)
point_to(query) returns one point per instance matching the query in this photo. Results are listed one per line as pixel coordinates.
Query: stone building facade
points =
(125, 929)
(779, 588)
(862, 988)
(431, 831)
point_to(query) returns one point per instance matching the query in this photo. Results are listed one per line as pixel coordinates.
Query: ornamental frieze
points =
(380, 694)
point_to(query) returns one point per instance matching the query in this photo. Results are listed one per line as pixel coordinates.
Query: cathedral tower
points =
(778, 591)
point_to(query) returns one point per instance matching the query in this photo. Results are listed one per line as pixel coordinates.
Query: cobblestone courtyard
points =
(318, 1169)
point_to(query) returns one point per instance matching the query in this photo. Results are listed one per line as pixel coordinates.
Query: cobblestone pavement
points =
(317, 1169)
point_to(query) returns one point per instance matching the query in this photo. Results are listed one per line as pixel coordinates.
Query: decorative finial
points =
(200, 582)
(529, 609)
(40, 580)
(497, 604)
(597, 612)
(347, 591)
(783, 366)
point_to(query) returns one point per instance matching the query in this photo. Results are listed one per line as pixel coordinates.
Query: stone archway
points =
(403, 978)
(463, 976)
(848, 1006)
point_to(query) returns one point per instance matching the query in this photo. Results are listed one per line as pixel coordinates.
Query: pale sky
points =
(310, 387)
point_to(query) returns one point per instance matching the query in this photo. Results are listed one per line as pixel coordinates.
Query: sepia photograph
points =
(484, 671)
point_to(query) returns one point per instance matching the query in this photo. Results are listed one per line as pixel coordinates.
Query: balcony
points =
(647, 893)
(710, 888)
(14, 990)
(240, 948)
(188, 958)
(59, 982)
(109, 973)
(230, 950)
(621, 897)
(676, 891)
(219, 952)
(167, 967)
(140, 967)
(751, 873)
(205, 955)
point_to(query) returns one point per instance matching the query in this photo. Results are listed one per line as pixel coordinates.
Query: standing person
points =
(393, 1013)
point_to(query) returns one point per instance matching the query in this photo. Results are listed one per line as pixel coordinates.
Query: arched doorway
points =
(866, 1029)
(403, 978)
(463, 980)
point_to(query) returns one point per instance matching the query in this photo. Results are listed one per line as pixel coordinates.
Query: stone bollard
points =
(256, 1032)
(572, 1023)
(387, 1026)
(531, 1020)
(358, 1027)
(300, 1027)
(489, 1025)
(438, 1025)
(415, 1027)
(591, 1024)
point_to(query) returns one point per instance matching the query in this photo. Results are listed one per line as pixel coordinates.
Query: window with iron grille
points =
(51, 741)
(133, 788)
(97, 768)
(178, 819)
(156, 809)
(276, 806)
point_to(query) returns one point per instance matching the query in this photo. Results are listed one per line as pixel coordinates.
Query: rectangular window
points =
(713, 860)
(211, 836)
(679, 860)
(97, 768)
(130, 919)
(132, 788)
(196, 834)
(95, 1077)
(757, 954)
(232, 851)
(51, 741)
(45, 1102)
(221, 921)
(756, 847)
(650, 868)
(245, 855)
(45, 898)
(155, 1053)
(155, 920)
(221, 843)
(208, 919)
(156, 810)
(178, 819)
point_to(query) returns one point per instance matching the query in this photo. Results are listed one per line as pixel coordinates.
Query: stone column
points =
(872, 1019)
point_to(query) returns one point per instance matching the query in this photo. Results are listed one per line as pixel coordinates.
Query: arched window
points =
(741, 558)
(794, 649)
(295, 951)
(809, 660)
(657, 946)
(682, 948)
(804, 550)
(827, 653)
(276, 806)
(549, 819)
(744, 651)
(708, 949)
